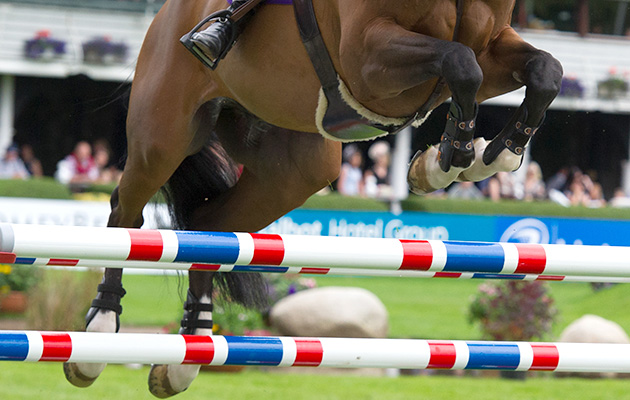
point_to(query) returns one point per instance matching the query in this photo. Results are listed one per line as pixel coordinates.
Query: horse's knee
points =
(461, 70)
(544, 75)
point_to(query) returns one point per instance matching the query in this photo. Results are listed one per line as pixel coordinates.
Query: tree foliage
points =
(561, 14)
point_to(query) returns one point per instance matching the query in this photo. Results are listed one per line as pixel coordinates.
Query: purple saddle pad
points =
(288, 2)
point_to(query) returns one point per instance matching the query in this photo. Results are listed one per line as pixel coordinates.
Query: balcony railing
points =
(145, 6)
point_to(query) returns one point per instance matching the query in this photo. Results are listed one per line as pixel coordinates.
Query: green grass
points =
(418, 308)
(118, 382)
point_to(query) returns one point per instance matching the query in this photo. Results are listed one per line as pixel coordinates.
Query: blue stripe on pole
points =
(259, 268)
(474, 257)
(251, 350)
(493, 356)
(13, 346)
(516, 277)
(207, 247)
(25, 260)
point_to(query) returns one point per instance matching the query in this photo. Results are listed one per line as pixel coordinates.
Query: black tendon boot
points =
(192, 310)
(456, 145)
(213, 43)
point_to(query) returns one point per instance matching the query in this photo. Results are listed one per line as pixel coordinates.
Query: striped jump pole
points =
(331, 271)
(124, 348)
(119, 244)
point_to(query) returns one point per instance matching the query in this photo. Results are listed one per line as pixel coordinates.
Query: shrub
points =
(61, 299)
(18, 278)
(513, 310)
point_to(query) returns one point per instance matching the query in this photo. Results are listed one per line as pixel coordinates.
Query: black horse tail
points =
(202, 176)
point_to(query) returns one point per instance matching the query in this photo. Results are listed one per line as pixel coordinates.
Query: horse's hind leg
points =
(281, 170)
(508, 64)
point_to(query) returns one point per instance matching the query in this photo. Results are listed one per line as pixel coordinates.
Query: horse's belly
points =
(268, 71)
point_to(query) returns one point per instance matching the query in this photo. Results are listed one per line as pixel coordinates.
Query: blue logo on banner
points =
(528, 230)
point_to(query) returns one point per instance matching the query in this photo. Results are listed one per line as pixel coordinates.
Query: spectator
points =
(78, 169)
(534, 187)
(465, 190)
(11, 166)
(106, 173)
(584, 191)
(596, 196)
(503, 186)
(376, 179)
(559, 180)
(32, 163)
(350, 181)
(620, 199)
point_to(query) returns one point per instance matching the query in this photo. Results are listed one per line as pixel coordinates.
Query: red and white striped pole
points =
(124, 348)
(69, 244)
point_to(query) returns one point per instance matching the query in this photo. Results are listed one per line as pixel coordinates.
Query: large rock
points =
(594, 329)
(331, 312)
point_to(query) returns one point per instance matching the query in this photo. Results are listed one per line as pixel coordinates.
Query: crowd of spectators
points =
(357, 180)
(87, 164)
(20, 163)
(569, 186)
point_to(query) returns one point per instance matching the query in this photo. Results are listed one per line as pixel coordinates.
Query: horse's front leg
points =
(399, 64)
(508, 64)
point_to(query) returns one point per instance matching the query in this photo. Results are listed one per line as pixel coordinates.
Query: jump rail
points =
(157, 265)
(122, 348)
(119, 244)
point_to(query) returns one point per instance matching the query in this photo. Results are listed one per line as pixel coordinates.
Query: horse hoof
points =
(82, 379)
(159, 384)
(417, 175)
(169, 380)
(425, 174)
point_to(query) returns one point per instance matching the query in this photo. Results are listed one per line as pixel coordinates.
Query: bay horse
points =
(262, 107)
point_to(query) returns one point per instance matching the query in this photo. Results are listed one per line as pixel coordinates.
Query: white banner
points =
(71, 212)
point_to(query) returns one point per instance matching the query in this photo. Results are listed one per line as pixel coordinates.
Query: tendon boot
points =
(213, 43)
(515, 137)
(456, 146)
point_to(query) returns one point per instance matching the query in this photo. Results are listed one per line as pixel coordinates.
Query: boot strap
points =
(520, 137)
(192, 308)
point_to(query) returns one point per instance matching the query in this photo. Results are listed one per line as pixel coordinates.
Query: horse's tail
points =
(202, 176)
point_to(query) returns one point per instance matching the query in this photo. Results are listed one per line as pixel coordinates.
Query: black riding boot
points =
(213, 43)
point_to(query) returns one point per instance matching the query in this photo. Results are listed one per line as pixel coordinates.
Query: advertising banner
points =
(407, 225)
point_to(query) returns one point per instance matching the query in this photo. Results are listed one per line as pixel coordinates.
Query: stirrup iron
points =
(187, 41)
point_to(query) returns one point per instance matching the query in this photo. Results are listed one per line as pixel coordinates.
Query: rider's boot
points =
(213, 43)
